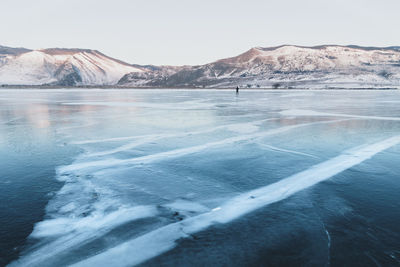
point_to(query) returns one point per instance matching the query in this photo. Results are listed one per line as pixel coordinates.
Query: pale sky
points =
(178, 32)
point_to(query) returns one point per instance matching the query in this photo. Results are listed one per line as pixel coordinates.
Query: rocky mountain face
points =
(57, 66)
(287, 66)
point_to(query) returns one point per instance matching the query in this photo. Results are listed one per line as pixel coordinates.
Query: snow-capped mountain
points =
(287, 66)
(328, 66)
(57, 66)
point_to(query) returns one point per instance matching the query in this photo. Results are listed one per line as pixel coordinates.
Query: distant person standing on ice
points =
(237, 89)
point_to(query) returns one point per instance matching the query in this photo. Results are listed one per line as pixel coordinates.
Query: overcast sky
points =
(177, 32)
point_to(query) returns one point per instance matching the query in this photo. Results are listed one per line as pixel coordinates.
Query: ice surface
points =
(156, 167)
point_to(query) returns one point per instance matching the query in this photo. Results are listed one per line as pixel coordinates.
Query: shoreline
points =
(103, 87)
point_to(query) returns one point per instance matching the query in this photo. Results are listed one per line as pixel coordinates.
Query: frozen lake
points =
(199, 177)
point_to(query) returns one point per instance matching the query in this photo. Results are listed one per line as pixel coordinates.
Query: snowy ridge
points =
(60, 67)
(288, 66)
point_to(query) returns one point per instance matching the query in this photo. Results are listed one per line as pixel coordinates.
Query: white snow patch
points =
(188, 206)
(77, 231)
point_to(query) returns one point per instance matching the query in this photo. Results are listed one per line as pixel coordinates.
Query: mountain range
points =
(286, 66)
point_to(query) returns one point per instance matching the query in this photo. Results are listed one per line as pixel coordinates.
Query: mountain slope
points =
(285, 66)
(57, 66)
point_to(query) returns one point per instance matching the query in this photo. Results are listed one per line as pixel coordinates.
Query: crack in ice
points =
(152, 138)
(274, 148)
(304, 112)
(183, 151)
(156, 242)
